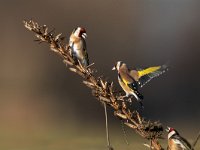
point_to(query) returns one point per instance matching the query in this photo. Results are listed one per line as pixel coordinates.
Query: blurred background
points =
(43, 106)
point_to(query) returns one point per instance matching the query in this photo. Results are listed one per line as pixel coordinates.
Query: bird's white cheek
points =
(170, 134)
(70, 43)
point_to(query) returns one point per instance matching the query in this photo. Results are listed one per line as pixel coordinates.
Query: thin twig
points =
(195, 142)
(107, 129)
(149, 146)
(124, 132)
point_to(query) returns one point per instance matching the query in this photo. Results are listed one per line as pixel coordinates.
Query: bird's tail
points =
(139, 97)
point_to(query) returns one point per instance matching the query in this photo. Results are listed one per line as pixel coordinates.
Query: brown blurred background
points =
(43, 106)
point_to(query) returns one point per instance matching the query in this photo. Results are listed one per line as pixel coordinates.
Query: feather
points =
(147, 74)
(148, 71)
(125, 77)
(182, 142)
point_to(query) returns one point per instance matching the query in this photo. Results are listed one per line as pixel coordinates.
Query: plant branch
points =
(107, 131)
(196, 140)
(101, 89)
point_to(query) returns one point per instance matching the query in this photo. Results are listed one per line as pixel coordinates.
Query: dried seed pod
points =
(73, 69)
(104, 99)
(130, 125)
(57, 36)
(89, 84)
(67, 62)
(120, 115)
(45, 30)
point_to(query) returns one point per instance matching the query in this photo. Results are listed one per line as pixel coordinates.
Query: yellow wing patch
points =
(125, 81)
(148, 70)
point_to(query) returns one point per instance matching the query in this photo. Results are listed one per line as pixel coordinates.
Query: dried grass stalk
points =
(101, 89)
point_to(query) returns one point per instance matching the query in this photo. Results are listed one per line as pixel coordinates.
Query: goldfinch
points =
(130, 80)
(176, 142)
(77, 46)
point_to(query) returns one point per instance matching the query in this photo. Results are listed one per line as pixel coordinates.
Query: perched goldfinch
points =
(77, 46)
(130, 80)
(176, 142)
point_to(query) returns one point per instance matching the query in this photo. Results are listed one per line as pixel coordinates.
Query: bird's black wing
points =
(183, 141)
(72, 53)
(134, 86)
(85, 51)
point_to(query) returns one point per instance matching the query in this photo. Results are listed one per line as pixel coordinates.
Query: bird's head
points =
(117, 65)
(171, 132)
(80, 32)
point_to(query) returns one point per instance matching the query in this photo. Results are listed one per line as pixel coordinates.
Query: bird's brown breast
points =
(74, 38)
(173, 146)
(77, 42)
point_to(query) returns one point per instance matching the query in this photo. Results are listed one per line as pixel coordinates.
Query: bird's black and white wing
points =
(147, 74)
(182, 142)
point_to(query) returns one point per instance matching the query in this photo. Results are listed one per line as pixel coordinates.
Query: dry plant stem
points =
(107, 129)
(101, 89)
(196, 140)
(124, 132)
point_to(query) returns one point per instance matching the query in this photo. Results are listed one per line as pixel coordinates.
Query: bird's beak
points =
(114, 68)
(84, 35)
(168, 128)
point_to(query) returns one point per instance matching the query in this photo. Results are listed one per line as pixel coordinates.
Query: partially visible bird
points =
(176, 142)
(130, 80)
(77, 46)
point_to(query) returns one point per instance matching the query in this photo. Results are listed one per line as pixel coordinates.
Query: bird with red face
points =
(177, 142)
(77, 46)
(131, 80)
